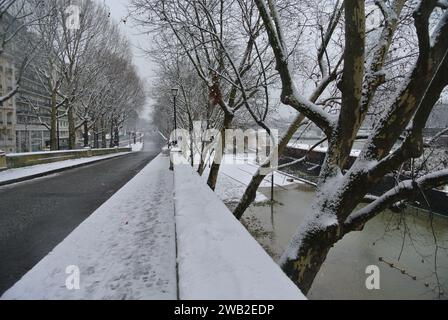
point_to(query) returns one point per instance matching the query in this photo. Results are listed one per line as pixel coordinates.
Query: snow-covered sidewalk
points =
(137, 147)
(124, 250)
(26, 173)
(234, 176)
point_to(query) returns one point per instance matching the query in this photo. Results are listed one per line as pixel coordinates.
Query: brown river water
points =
(407, 240)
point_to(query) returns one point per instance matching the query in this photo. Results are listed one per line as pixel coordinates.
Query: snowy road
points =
(37, 215)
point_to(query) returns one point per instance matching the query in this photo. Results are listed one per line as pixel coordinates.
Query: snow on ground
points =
(42, 152)
(30, 171)
(124, 250)
(235, 174)
(137, 147)
(320, 148)
(217, 257)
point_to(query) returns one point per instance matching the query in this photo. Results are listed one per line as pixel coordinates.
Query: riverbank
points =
(405, 240)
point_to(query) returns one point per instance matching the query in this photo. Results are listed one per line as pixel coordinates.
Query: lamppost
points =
(174, 92)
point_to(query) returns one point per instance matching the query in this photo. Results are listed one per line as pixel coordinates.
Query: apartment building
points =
(24, 119)
(33, 109)
(8, 107)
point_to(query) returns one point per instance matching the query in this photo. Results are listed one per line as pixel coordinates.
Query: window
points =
(9, 118)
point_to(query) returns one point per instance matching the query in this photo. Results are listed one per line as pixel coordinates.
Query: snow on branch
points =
(290, 95)
(437, 136)
(374, 76)
(9, 95)
(389, 14)
(404, 190)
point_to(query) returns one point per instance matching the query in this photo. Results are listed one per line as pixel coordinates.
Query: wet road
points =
(37, 215)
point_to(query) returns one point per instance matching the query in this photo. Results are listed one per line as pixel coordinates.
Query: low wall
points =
(2, 160)
(19, 160)
(217, 257)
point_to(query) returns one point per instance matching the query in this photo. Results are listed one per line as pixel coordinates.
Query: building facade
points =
(8, 118)
(33, 109)
(24, 118)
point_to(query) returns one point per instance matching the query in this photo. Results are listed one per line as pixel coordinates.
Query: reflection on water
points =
(405, 240)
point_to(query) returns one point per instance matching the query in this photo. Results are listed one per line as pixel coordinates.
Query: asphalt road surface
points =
(37, 215)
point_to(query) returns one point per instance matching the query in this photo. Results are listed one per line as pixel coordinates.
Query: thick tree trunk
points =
(214, 171)
(213, 176)
(307, 260)
(96, 140)
(71, 129)
(191, 151)
(249, 194)
(54, 124)
(116, 137)
(96, 143)
(86, 134)
(201, 166)
(103, 136)
(111, 142)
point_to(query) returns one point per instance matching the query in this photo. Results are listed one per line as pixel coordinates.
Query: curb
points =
(47, 173)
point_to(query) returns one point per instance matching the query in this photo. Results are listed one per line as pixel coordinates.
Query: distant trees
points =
(83, 63)
(192, 103)
(15, 17)
(223, 44)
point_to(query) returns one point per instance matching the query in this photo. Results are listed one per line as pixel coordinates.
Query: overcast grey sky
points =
(119, 10)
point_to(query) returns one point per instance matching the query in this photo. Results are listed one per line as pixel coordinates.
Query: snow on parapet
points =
(217, 257)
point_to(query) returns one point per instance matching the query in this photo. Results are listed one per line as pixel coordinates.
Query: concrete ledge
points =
(2, 161)
(20, 160)
(217, 257)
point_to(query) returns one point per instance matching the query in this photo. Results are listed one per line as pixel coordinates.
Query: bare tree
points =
(227, 53)
(16, 17)
(340, 189)
(77, 46)
(329, 72)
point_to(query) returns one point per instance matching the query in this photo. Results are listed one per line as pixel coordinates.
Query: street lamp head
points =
(174, 92)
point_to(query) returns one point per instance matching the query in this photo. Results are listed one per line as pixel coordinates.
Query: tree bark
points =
(103, 136)
(314, 247)
(201, 166)
(214, 171)
(54, 123)
(96, 141)
(86, 134)
(116, 137)
(71, 128)
(191, 128)
(111, 142)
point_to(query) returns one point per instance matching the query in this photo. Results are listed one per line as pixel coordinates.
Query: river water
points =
(407, 240)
